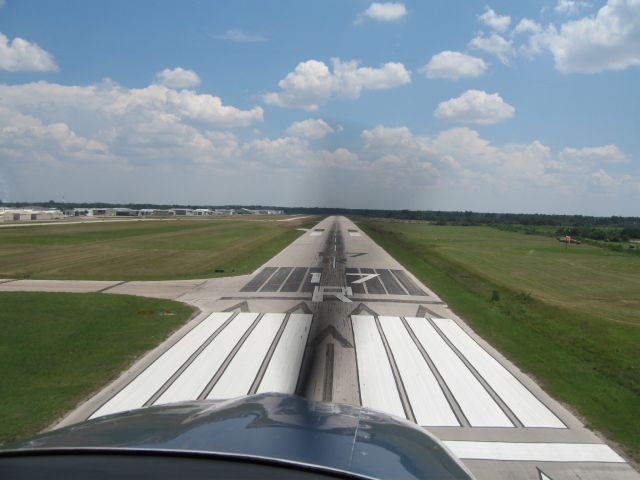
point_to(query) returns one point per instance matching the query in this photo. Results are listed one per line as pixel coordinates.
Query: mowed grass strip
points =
(584, 278)
(584, 356)
(142, 250)
(57, 348)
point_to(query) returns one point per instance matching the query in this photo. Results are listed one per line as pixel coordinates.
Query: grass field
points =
(570, 317)
(143, 250)
(57, 348)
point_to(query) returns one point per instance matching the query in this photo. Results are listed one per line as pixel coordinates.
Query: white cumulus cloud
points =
(570, 7)
(19, 55)
(609, 40)
(238, 36)
(497, 22)
(494, 44)
(349, 79)
(312, 83)
(26, 138)
(308, 86)
(603, 154)
(384, 12)
(460, 162)
(475, 106)
(178, 78)
(184, 104)
(454, 65)
(51, 123)
(313, 129)
(526, 25)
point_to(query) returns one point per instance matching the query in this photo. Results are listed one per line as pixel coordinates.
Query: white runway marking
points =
(538, 452)
(315, 277)
(378, 388)
(317, 295)
(543, 476)
(315, 234)
(241, 372)
(364, 277)
(190, 384)
(355, 234)
(428, 402)
(142, 388)
(529, 410)
(476, 403)
(282, 373)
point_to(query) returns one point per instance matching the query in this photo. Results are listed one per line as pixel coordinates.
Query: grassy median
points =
(57, 348)
(568, 316)
(144, 250)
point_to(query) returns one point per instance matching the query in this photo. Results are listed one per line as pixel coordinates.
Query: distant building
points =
(182, 212)
(261, 212)
(29, 214)
(155, 212)
(104, 212)
(126, 212)
(115, 212)
(224, 211)
(79, 212)
(202, 212)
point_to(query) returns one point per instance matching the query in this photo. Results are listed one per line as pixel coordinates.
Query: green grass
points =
(568, 317)
(57, 348)
(583, 278)
(143, 250)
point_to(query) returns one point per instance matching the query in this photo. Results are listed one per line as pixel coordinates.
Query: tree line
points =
(578, 225)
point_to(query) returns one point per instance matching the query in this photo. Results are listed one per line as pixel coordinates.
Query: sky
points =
(499, 106)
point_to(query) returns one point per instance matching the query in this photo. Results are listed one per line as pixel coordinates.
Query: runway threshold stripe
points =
(378, 388)
(276, 281)
(390, 282)
(533, 452)
(145, 385)
(295, 279)
(428, 402)
(475, 402)
(242, 371)
(529, 410)
(407, 283)
(256, 282)
(282, 372)
(374, 286)
(355, 287)
(191, 383)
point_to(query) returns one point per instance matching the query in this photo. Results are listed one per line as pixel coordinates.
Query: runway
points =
(334, 318)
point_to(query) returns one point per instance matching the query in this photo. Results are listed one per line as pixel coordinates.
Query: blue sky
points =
(498, 106)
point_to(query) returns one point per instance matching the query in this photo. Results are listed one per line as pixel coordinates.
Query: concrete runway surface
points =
(334, 318)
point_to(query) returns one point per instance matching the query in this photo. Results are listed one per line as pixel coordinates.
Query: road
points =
(334, 318)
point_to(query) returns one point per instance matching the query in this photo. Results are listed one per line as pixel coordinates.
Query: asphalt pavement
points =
(334, 318)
